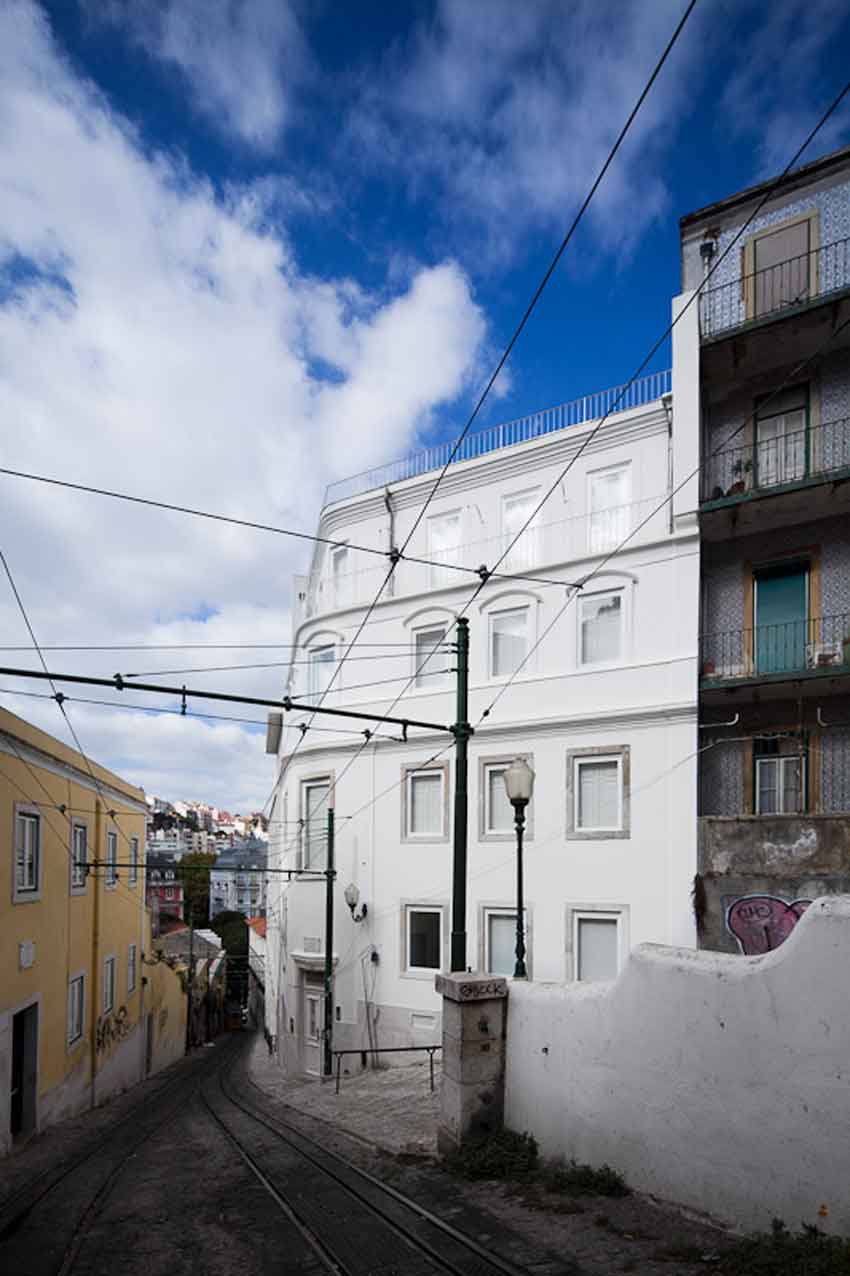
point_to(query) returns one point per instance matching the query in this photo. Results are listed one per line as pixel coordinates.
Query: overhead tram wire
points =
(60, 701)
(520, 327)
(788, 380)
(771, 191)
(263, 527)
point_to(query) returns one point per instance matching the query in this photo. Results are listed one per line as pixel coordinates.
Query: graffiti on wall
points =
(761, 923)
(111, 1028)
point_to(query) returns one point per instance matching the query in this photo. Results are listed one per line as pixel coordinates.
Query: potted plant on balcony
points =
(742, 467)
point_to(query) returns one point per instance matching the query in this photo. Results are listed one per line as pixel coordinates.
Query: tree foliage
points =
(196, 884)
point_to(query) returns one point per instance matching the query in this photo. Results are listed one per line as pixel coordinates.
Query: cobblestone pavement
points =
(386, 1120)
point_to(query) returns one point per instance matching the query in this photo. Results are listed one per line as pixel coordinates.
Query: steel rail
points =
(495, 1263)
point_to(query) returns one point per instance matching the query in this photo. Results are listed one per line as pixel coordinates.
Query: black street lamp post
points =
(519, 785)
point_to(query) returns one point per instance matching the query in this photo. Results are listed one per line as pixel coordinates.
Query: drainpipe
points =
(388, 504)
(95, 949)
(667, 404)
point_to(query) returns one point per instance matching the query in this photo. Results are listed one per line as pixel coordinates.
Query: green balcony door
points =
(782, 595)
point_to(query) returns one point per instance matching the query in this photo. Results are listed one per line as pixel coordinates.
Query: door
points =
(781, 618)
(24, 1070)
(782, 268)
(781, 443)
(312, 1023)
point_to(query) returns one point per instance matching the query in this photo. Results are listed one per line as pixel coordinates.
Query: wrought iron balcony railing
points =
(817, 645)
(590, 407)
(815, 452)
(817, 273)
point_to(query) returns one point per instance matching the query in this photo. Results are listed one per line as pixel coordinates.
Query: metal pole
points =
(519, 968)
(329, 947)
(190, 981)
(462, 731)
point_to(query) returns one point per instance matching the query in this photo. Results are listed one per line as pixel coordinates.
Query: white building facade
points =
(603, 706)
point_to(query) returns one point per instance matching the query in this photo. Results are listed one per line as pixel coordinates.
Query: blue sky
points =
(249, 247)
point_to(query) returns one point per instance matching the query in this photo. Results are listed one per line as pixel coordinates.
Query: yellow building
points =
(82, 1015)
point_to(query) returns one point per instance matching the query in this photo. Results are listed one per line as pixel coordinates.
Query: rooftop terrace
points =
(590, 407)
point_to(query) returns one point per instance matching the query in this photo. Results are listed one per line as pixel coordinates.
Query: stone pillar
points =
(473, 1092)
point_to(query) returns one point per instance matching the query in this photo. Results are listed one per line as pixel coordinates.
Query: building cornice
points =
(36, 757)
(668, 714)
(522, 459)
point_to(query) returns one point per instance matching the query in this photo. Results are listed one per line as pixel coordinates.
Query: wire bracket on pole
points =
(183, 702)
(368, 734)
(404, 732)
(303, 728)
(287, 704)
(119, 682)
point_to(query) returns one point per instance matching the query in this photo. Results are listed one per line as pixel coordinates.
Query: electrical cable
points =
(397, 554)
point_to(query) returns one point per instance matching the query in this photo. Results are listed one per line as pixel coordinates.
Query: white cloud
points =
(512, 109)
(775, 94)
(240, 61)
(159, 338)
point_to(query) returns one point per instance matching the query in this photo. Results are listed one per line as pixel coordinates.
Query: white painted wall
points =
(645, 702)
(715, 1081)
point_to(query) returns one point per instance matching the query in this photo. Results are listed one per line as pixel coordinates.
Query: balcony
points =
(815, 455)
(539, 548)
(750, 300)
(590, 407)
(776, 653)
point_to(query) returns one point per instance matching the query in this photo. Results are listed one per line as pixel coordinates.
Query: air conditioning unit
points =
(821, 655)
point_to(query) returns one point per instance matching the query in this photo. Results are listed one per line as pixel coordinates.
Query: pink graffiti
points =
(761, 923)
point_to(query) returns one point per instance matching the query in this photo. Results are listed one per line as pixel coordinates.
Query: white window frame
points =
(110, 983)
(444, 577)
(311, 782)
(502, 910)
(313, 690)
(75, 1028)
(586, 598)
(621, 467)
(78, 880)
(780, 759)
(340, 581)
(111, 874)
(409, 773)
(524, 554)
(486, 833)
(429, 679)
(26, 893)
(577, 913)
(527, 664)
(133, 872)
(422, 972)
(131, 968)
(619, 753)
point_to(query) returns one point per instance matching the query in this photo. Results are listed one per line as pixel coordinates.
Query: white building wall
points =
(715, 1081)
(643, 704)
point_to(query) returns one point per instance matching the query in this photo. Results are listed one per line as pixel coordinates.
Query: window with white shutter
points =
(509, 641)
(601, 621)
(519, 543)
(609, 496)
(444, 547)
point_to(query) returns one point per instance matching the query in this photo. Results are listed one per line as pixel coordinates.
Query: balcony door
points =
(781, 430)
(781, 260)
(781, 618)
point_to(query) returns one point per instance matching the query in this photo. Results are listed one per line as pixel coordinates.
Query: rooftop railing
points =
(815, 452)
(637, 394)
(763, 293)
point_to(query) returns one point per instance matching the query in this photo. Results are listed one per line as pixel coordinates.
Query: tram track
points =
(41, 1205)
(382, 1230)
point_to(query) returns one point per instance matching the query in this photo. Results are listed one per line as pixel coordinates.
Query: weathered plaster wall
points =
(718, 1082)
(759, 874)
